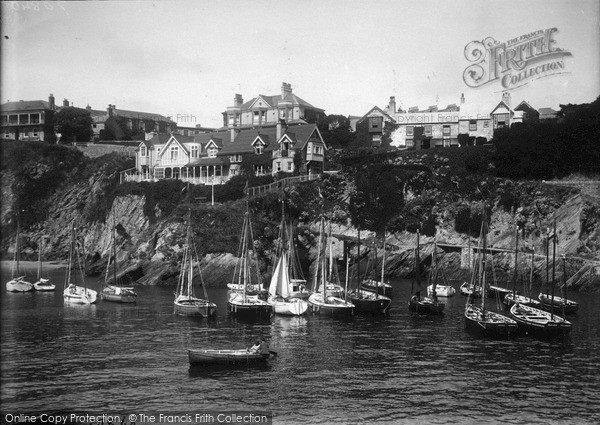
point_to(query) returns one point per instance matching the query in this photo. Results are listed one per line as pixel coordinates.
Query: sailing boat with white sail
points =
(115, 292)
(42, 284)
(72, 293)
(17, 282)
(186, 303)
(280, 288)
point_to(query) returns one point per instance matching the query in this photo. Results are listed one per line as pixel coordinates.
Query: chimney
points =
(392, 105)
(278, 134)
(462, 98)
(238, 100)
(232, 133)
(506, 98)
(51, 101)
(89, 108)
(110, 110)
(285, 89)
(65, 103)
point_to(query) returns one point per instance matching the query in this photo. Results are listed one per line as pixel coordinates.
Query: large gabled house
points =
(268, 110)
(215, 157)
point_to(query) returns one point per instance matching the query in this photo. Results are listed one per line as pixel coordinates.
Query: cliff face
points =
(150, 234)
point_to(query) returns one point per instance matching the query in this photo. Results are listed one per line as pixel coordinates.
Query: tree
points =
(336, 131)
(378, 196)
(74, 124)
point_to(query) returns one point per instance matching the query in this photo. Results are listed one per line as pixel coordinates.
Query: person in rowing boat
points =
(264, 347)
(256, 348)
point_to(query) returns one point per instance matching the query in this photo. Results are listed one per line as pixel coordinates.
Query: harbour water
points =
(110, 358)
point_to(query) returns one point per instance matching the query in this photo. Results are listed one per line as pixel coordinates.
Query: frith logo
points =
(516, 62)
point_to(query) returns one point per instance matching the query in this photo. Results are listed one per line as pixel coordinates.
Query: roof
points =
(376, 109)
(25, 105)
(205, 160)
(273, 101)
(547, 113)
(141, 115)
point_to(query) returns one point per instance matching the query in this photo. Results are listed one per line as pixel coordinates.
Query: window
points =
(34, 118)
(13, 119)
(260, 170)
(446, 130)
(4, 119)
(486, 123)
(377, 138)
(289, 166)
(256, 117)
(428, 130)
(282, 113)
(24, 119)
(258, 149)
(375, 123)
(143, 151)
(309, 148)
(159, 173)
(409, 130)
(472, 125)
(194, 151)
(174, 152)
(278, 166)
(35, 132)
(212, 152)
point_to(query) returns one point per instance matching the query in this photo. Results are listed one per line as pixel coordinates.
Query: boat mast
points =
(483, 266)
(553, 269)
(531, 271)
(417, 266)
(70, 264)
(382, 266)
(39, 270)
(515, 270)
(114, 249)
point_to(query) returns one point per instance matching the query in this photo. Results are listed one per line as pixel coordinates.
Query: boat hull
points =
(426, 306)
(19, 285)
(333, 306)
(377, 286)
(191, 306)
(225, 357)
(558, 304)
(118, 295)
(537, 322)
(468, 290)
(492, 325)
(441, 291)
(290, 307)
(79, 295)
(44, 285)
(251, 306)
(510, 300)
(369, 302)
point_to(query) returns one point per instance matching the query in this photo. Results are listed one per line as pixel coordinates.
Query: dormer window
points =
(258, 149)
(174, 152)
(194, 151)
(143, 151)
(212, 152)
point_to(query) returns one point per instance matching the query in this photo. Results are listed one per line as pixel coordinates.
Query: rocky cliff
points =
(150, 232)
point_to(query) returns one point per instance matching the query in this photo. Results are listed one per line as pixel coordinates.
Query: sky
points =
(188, 59)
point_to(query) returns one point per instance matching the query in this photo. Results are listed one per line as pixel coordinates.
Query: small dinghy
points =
(225, 357)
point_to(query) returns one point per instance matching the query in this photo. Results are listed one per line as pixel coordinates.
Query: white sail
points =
(280, 281)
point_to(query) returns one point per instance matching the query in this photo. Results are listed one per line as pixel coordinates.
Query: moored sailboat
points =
(323, 302)
(539, 322)
(423, 305)
(241, 303)
(478, 319)
(367, 301)
(17, 283)
(515, 298)
(72, 293)
(115, 292)
(437, 274)
(374, 285)
(42, 284)
(549, 301)
(280, 287)
(186, 303)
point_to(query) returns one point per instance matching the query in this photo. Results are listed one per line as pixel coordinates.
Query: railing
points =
(131, 175)
(279, 184)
